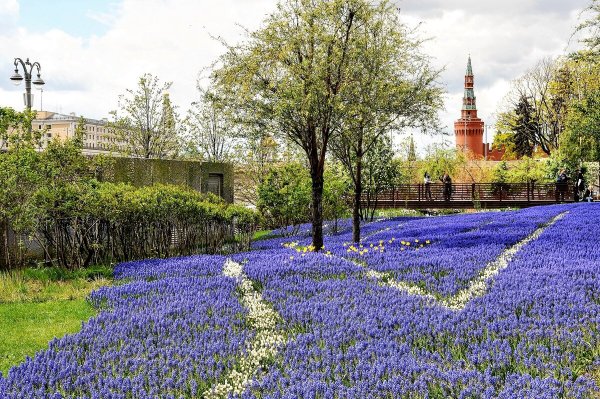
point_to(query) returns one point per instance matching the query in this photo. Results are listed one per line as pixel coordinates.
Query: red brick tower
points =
(468, 130)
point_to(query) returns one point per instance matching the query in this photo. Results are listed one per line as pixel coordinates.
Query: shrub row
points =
(82, 224)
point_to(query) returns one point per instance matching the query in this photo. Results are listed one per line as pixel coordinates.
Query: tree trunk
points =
(317, 208)
(357, 198)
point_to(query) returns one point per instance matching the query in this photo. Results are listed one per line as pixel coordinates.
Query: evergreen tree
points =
(525, 128)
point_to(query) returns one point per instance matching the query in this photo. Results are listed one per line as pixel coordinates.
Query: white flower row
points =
(264, 344)
(478, 285)
(399, 285)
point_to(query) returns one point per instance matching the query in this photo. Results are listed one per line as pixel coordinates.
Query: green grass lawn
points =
(28, 327)
(261, 235)
(37, 305)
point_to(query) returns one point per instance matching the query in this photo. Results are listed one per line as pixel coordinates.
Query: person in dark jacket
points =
(447, 180)
(427, 182)
(588, 195)
(561, 185)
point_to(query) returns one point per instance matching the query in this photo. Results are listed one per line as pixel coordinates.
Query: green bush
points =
(52, 197)
(92, 223)
(285, 196)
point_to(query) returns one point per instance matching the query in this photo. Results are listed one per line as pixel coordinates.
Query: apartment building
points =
(98, 137)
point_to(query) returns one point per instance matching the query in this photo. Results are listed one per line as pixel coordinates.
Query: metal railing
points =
(497, 194)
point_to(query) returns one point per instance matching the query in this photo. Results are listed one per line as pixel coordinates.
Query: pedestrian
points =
(427, 181)
(579, 186)
(588, 195)
(561, 185)
(447, 180)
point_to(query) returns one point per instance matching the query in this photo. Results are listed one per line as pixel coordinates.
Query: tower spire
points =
(469, 128)
(469, 68)
(469, 100)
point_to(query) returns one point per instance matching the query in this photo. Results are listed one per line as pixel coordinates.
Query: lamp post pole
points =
(16, 78)
(485, 155)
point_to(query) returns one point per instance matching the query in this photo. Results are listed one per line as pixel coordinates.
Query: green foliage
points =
(500, 173)
(441, 160)
(335, 194)
(380, 173)
(15, 128)
(146, 122)
(53, 197)
(530, 170)
(581, 141)
(591, 27)
(209, 130)
(284, 195)
(525, 128)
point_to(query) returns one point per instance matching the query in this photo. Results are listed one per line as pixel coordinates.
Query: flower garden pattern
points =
(369, 320)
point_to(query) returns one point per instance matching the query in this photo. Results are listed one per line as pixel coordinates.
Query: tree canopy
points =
(313, 71)
(146, 121)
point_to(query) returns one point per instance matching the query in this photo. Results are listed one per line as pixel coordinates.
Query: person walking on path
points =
(447, 180)
(579, 186)
(561, 185)
(427, 181)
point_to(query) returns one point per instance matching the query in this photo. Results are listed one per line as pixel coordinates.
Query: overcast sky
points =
(93, 50)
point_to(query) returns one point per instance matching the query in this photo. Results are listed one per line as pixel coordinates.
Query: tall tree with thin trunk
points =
(393, 88)
(290, 75)
(210, 132)
(146, 122)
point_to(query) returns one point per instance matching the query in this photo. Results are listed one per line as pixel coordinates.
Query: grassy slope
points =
(37, 305)
(28, 327)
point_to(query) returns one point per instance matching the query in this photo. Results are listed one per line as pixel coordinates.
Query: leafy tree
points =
(209, 130)
(440, 160)
(146, 122)
(284, 196)
(394, 88)
(381, 173)
(528, 170)
(335, 194)
(254, 157)
(535, 87)
(15, 128)
(591, 27)
(506, 141)
(295, 75)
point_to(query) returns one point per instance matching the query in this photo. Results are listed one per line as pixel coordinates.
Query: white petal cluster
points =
(399, 285)
(264, 344)
(478, 285)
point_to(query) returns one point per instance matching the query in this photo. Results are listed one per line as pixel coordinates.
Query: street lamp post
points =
(16, 78)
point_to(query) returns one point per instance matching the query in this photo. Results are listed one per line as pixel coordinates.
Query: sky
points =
(91, 51)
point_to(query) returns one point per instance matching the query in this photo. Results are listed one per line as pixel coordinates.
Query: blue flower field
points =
(483, 305)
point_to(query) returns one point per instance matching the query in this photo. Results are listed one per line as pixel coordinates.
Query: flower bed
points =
(175, 329)
(285, 322)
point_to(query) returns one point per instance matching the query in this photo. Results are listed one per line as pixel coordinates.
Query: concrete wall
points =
(144, 172)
